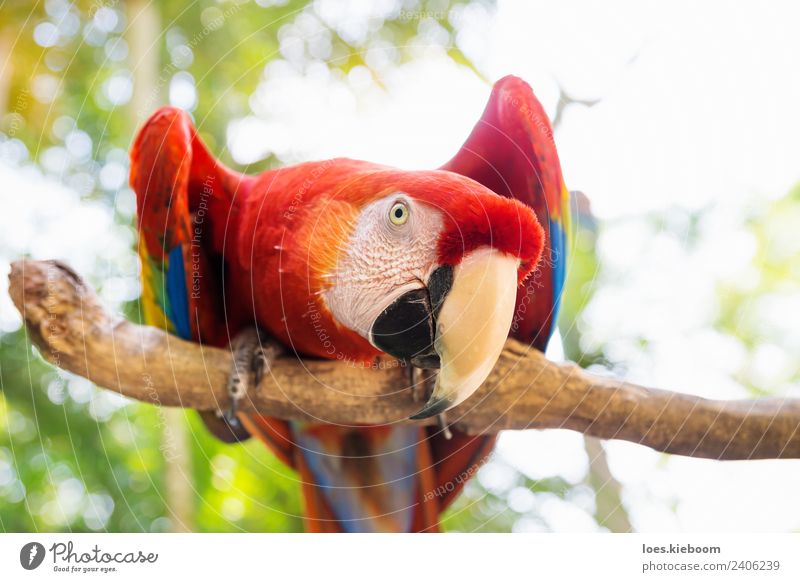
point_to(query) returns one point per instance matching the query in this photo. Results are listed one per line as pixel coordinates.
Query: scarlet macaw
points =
(346, 259)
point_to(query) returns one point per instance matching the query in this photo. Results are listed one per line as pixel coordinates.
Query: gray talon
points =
(444, 426)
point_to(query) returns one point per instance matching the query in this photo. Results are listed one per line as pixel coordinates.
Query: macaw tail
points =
(374, 479)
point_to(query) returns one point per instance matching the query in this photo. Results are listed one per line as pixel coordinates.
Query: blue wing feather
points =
(558, 257)
(177, 293)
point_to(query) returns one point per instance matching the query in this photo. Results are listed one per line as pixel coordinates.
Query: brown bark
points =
(71, 328)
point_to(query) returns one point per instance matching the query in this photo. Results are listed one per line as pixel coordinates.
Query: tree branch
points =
(72, 330)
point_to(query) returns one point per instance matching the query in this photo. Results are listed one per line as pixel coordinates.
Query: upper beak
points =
(472, 325)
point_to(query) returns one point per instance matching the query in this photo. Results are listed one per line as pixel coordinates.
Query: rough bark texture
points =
(71, 329)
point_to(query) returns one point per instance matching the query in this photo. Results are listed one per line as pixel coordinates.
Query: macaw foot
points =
(423, 381)
(253, 353)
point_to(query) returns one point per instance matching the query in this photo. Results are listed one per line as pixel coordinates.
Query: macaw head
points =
(428, 272)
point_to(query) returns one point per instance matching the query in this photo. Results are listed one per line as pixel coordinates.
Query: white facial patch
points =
(383, 260)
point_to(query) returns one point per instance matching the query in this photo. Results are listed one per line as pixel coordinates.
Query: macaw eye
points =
(399, 214)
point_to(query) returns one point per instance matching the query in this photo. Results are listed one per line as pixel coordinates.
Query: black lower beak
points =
(407, 328)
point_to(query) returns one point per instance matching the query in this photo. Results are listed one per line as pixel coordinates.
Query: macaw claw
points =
(253, 353)
(421, 381)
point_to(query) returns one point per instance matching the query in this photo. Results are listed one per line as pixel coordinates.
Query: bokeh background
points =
(680, 122)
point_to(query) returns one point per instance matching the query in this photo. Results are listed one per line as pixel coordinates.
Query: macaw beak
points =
(472, 326)
(459, 324)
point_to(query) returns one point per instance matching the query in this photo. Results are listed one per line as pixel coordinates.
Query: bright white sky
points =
(699, 107)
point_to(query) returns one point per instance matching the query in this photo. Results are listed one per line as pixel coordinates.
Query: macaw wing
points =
(511, 151)
(179, 293)
(184, 200)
